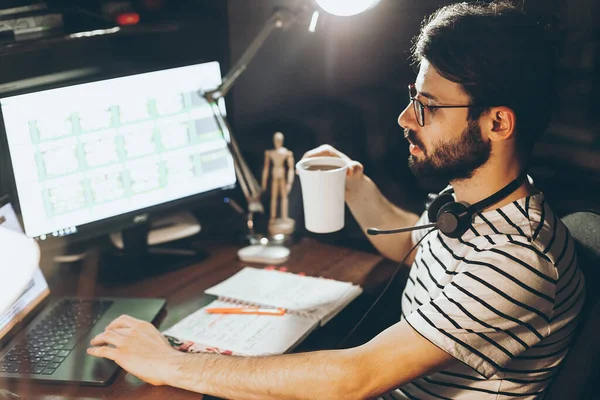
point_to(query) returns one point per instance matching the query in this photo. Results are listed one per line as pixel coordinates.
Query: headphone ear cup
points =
(453, 219)
(436, 205)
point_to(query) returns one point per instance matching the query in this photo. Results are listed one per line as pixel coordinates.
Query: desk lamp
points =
(282, 18)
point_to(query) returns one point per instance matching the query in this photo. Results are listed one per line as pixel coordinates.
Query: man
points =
(486, 315)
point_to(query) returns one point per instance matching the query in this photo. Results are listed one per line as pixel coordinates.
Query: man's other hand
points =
(137, 346)
(355, 169)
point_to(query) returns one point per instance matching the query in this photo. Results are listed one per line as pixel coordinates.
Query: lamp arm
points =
(248, 183)
(281, 18)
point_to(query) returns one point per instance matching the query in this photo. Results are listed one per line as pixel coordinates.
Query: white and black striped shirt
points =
(502, 299)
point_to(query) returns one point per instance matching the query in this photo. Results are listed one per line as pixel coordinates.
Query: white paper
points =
(19, 258)
(8, 219)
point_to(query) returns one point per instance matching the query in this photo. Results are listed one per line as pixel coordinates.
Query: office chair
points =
(577, 377)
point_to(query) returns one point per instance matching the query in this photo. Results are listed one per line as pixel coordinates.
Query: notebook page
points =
(251, 335)
(315, 296)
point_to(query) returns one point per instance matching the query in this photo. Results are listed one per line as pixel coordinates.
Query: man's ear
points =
(501, 123)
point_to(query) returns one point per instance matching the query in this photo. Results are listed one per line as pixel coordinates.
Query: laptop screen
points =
(33, 294)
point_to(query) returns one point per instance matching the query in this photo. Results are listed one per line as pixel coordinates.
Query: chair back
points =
(579, 373)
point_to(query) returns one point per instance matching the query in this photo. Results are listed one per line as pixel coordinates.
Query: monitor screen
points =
(90, 152)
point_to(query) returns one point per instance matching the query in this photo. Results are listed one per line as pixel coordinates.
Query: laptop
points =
(45, 339)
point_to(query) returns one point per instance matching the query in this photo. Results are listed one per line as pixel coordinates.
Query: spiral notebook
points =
(310, 302)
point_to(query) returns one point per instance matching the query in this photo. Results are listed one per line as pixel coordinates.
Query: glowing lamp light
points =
(346, 8)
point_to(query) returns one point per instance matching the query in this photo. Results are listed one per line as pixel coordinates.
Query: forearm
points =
(323, 374)
(372, 209)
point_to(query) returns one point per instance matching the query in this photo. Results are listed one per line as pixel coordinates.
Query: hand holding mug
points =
(354, 170)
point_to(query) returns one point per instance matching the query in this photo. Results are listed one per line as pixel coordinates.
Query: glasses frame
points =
(419, 108)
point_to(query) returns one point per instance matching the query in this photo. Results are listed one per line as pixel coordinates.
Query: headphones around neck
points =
(454, 218)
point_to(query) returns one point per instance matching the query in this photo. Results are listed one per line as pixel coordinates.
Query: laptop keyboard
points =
(51, 340)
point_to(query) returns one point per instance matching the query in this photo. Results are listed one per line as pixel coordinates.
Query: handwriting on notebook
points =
(242, 334)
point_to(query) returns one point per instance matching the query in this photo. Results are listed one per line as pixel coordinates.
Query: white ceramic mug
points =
(323, 193)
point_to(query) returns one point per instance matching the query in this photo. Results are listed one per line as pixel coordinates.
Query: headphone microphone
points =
(453, 218)
(376, 231)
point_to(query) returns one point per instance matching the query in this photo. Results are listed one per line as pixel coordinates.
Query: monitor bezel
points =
(105, 226)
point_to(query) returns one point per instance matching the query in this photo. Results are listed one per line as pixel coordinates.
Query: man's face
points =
(448, 147)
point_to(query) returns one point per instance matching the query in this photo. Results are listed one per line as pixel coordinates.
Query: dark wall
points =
(344, 54)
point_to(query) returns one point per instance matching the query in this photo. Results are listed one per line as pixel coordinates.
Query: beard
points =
(448, 161)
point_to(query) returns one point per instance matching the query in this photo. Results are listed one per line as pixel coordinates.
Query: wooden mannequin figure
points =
(281, 184)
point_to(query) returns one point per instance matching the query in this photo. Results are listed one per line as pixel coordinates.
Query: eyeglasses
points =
(419, 107)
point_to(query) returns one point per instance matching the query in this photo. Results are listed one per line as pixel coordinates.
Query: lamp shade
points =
(346, 8)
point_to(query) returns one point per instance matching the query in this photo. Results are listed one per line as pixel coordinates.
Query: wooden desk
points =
(184, 289)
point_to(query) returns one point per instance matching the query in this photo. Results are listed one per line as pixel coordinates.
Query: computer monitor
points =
(98, 157)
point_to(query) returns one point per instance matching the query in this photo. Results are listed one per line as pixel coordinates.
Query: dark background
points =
(345, 84)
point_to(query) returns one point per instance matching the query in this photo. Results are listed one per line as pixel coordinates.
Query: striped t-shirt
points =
(502, 299)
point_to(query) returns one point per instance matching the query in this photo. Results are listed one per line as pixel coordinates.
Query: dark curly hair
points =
(501, 56)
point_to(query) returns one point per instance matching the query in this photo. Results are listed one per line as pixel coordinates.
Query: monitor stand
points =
(150, 249)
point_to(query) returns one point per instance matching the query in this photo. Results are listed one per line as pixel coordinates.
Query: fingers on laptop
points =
(103, 351)
(108, 337)
(124, 321)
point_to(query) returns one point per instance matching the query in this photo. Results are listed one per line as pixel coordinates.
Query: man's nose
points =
(407, 118)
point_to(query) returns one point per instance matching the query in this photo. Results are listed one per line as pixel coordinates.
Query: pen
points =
(247, 310)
